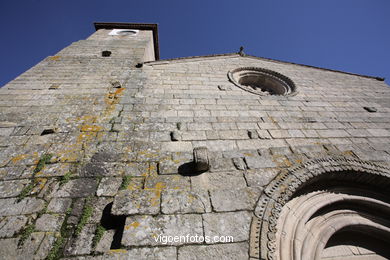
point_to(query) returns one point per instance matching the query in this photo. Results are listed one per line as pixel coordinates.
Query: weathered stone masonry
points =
(96, 153)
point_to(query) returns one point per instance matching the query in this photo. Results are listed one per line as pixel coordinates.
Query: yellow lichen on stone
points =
(133, 186)
(158, 188)
(136, 183)
(281, 160)
(37, 157)
(70, 154)
(91, 128)
(191, 198)
(349, 152)
(134, 225)
(147, 154)
(117, 251)
(152, 170)
(86, 137)
(272, 119)
(112, 99)
(54, 58)
(39, 185)
(19, 158)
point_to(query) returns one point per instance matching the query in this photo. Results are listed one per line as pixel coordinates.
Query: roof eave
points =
(262, 58)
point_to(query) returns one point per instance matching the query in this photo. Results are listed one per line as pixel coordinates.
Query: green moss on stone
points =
(86, 214)
(65, 178)
(125, 182)
(42, 162)
(26, 190)
(98, 235)
(55, 252)
(26, 234)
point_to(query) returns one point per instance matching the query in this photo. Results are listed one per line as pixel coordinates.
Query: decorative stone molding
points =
(282, 189)
(262, 81)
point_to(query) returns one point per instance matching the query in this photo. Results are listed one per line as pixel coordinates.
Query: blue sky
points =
(347, 35)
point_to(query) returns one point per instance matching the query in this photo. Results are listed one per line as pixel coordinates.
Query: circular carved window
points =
(262, 81)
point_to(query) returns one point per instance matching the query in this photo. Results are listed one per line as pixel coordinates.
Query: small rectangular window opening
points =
(54, 86)
(47, 132)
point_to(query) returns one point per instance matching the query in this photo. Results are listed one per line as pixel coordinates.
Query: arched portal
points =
(333, 208)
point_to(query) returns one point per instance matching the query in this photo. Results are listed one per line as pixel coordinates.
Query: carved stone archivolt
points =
(305, 207)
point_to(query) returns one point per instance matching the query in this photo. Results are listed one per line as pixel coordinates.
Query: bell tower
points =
(133, 40)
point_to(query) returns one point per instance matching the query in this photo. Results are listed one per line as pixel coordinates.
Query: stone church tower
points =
(107, 152)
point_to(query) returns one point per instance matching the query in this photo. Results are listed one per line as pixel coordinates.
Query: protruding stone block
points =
(116, 84)
(253, 134)
(201, 159)
(175, 136)
(371, 109)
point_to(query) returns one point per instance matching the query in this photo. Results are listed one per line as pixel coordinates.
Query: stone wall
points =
(117, 152)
